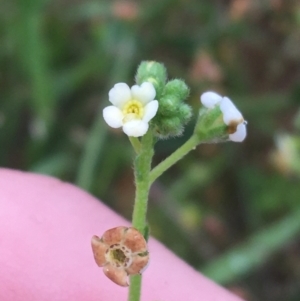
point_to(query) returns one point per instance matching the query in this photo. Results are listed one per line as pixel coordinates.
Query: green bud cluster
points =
(173, 113)
(210, 126)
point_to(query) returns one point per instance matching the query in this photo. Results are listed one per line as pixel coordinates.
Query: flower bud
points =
(153, 72)
(219, 120)
(185, 113)
(178, 88)
(169, 105)
(168, 127)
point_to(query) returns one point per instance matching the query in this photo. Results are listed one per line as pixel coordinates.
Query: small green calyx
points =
(210, 126)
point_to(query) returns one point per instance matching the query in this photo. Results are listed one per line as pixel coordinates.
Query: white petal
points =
(240, 133)
(113, 116)
(229, 110)
(144, 93)
(150, 110)
(119, 95)
(135, 128)
(210, 99)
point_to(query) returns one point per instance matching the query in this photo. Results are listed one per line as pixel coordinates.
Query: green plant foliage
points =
(59, 59)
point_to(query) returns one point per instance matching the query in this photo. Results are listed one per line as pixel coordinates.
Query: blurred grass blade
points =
(254, 252)
(33, 53)
(119, 70)
(55, 165)
(92, 151)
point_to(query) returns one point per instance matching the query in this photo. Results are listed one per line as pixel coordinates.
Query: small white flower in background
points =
(286, 156)
(132, 108)
(231, 115)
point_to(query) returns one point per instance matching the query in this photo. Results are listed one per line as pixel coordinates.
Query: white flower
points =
(231, 115)
(132, 108)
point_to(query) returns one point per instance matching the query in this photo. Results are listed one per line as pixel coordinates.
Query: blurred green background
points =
(231, 210)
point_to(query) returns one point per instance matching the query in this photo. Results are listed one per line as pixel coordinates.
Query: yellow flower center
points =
(133, 109)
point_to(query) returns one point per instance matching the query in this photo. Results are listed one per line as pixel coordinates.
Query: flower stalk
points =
(136, 144)
(189, 145)
(142, 167)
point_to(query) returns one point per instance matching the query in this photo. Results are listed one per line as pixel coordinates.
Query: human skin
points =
(46, 227)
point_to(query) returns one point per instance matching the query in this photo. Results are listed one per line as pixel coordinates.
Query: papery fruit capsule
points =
(121, 251)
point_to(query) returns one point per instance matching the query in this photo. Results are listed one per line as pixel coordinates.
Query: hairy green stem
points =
(172, 159)
(135, 288)
(142, 167)
(143, 180)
